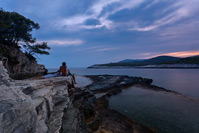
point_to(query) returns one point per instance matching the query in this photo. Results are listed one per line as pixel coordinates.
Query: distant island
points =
(156, 62)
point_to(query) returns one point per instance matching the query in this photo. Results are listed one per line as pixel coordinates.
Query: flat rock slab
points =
(104, 83)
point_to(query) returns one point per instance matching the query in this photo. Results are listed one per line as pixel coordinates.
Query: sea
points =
(165, 111)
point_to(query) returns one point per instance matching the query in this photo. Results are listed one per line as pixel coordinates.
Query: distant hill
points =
(160, 60)
(187, 60)
(131, 60)
(152, 61)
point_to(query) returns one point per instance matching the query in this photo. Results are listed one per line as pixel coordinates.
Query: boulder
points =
(18, 65)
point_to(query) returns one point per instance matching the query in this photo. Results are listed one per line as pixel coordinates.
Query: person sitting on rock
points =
(62, 70)
(65, 72)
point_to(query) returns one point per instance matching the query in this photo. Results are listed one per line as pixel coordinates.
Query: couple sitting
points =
(63, 71)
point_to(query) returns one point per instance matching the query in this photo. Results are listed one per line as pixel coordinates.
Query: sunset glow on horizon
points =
(181, 54)
(87, 32)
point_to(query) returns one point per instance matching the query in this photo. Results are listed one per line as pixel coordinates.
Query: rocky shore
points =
(29, 106)
(54, 105)
(18, 65)
(95, 116)
(114, 83)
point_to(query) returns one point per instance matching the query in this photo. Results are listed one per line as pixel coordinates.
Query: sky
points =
(87, 32)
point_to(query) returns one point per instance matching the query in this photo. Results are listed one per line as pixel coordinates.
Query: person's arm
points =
(66, 71)
(59, 72)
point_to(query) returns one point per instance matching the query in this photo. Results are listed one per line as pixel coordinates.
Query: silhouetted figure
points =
(62, 70)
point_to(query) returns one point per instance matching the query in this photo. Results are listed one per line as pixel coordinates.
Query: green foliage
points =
(15, 30)
(38, 48)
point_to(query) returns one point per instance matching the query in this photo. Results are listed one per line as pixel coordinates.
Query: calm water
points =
(185, 81)
(166, 112)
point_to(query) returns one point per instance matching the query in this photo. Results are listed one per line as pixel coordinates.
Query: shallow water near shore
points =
(166, 112)
(185, 81)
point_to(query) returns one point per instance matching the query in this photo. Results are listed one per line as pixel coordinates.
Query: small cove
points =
(166, 112)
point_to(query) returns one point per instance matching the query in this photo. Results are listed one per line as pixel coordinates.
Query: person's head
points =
(63, 63)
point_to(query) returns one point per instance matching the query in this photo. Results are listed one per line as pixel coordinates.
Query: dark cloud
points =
(87, 32)
(92, 22)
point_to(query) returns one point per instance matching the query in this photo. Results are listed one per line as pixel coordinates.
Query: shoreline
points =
(149, 86)
(107, 94)
(52, 108)
(142, 68)
(101, 118)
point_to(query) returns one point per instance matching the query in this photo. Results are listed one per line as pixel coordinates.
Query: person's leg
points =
(50, 75)
(73, 75)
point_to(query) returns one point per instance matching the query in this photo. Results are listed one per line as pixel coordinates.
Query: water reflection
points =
(185, 81)
(166, 112)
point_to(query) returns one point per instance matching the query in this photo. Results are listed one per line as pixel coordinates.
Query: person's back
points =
(63, 69)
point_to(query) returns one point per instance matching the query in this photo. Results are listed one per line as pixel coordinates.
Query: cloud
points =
(187, 29)
(174, 13)
(182, 54)
(60, 15)
(95, 12)
(113, 28)
(102, 9)
(94, 49)
(104, 49)
(151, 4)
(148, 55)
(92, 22)
(98, 7)
(64, 42)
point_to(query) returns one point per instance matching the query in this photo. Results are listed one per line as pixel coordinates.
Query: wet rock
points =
(95, 116)
(107, 120)
(84, 100)
(114, 83)
(101, 103)
(112, 121)
(156, 88)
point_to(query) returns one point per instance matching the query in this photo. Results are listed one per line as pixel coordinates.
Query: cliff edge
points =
(28, 105)
(54, 105)
(18, 65)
